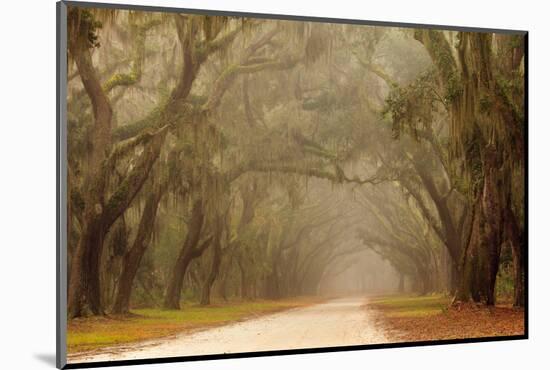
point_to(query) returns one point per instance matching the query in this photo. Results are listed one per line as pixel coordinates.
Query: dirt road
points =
(338, 322)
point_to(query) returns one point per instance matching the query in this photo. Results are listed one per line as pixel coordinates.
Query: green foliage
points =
(473, 145)
(126, 131)
(440, 51)
(97, 333)
(413, 306)
(485, 104)
(84, 20)
(453, 88)
(504, 287)
(309, 119)
(411, 108)
(77, 201)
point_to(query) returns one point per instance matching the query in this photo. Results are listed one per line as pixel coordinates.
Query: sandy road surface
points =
(337, 322)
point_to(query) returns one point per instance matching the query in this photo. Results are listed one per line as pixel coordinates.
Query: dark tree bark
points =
(114, 208)
(451, 231)
(519, 275)
(189, 251)
(132, 257)
(81, 289)
(474, 270)
(513, 234)
(99, 214)
(466, 269)
(492, 216)
(215, 268)
(118, 245)
(486, 137)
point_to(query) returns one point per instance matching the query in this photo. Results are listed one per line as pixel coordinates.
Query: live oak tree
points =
(220, 157)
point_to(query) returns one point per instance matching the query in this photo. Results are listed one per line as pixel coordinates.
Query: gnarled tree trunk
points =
(491, 233)
(81, 289)
(515, 239)
(132, 257)
(214, 270)
(189, 251)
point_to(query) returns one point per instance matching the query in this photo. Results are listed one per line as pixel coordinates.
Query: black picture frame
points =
(61, 192)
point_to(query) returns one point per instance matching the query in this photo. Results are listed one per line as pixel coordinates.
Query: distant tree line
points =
(224, 156)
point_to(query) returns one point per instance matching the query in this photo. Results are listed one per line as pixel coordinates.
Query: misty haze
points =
(239, 184)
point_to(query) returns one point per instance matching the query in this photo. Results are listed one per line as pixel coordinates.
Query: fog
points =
(218, 158)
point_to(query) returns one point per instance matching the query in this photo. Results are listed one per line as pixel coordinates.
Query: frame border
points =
(61, 191)
(287, 17)
(61, 186)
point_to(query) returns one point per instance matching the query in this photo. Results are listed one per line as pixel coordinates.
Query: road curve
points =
(339, 322)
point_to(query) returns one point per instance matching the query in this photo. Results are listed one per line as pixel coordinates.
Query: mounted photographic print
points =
(235, 184)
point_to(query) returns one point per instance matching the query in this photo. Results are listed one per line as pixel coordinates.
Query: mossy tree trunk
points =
(133, 256)
(451, 230)
(491, 232)
(100, 213)
(216, 263)
(82, 290)
(484, 127)
(516, 241)
(188, 252)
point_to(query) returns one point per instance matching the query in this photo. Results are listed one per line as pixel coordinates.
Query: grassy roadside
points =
(91, 334)
(412, 318)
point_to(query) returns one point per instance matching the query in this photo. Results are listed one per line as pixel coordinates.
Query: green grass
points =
(410, 318)
(412, 306)
(94, 333)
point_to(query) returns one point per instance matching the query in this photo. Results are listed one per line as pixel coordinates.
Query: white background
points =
(27, 182)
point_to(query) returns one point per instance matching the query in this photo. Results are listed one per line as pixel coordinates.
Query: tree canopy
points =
(228, 156)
